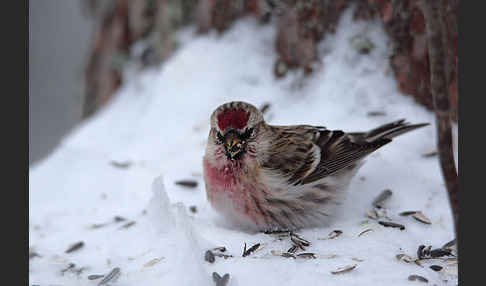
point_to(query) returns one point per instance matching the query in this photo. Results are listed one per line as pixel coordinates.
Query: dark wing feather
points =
(305, 154)
(338, 151)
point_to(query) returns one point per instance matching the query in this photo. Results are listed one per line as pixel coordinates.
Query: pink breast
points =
(226, 181)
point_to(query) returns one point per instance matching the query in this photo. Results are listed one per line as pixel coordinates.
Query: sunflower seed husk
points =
(69, 267)
(357, 259)
(299, 241)
(365, 231)
(121, 165)
(379, 201)
(187, 183)
(417, 278)
(74, 247)
(252, 249)
(420, 251)
(307, 255)
(209, 256)
(436, 267)
(225, 256)
(287, 255)
(97, 225)
(372, 214)
(113, 275)
(33, 254)
(334, 234)
(407, 213)
(152, 262)
(95, 276)
(439, 252)
(221, 248)
(391, 224)
(292, 249)
(404, 257)
(344, 269)
(276, 252)
(128, 224)
(376, 113)
(449, 244)
(330, 256)
(221, 281)
(119, 218)
(430, 154)
(421, 217)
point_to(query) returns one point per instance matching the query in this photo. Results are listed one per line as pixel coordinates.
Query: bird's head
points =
(234, 125)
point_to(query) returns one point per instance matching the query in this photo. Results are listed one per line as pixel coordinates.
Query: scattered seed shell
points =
(376, 113)
(344, 269)
(421, 217)
(221, 281)
(74, 247)
(121, 165)
(365, 231)
(436, 267)
(299, 241)
(307, 255)
(113, 275)
(330, 256)
(439, 252)
(357, 259)
(288, 255)
(430, 154)
(221, 248)
(404, 257)
(407, 213)
(209, 256)
(391, 224)
(292, 249)
(225, 256)
(334, 234)
(420, 251)
(417, 278)
(252, 249)
(449, 244)
(95, 276)
(372, 214)
(193, 209)
(187, 183)
(152, 262)
(382, 197)
(69, 267)
(119, 218)
(128, 224)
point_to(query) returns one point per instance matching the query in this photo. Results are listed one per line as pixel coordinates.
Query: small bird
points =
(266, 178)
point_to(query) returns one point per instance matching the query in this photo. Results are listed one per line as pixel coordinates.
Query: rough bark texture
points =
(437, 43)
(120, 24)
(300, 24)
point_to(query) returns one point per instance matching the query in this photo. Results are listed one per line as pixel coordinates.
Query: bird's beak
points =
(233, 146)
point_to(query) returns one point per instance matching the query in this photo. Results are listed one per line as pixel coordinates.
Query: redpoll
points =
(268, 177)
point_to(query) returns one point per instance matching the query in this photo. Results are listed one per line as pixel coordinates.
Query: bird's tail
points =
(391, 130)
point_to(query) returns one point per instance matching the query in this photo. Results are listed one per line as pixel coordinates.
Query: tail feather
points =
(391, 130)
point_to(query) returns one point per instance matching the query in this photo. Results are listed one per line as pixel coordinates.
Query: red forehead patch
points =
(236, 118)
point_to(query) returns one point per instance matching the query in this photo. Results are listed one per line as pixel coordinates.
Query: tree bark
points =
(437, 41)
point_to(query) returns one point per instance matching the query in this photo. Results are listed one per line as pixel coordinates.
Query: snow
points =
(158, 124)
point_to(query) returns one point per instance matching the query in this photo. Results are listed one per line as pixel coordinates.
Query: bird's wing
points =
(304, 154)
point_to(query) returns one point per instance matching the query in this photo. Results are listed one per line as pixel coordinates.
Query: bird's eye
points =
(220, 137)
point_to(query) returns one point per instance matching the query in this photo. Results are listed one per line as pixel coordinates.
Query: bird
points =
(266, 177)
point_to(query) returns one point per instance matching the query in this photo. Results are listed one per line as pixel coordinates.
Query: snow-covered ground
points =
(126, 159)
